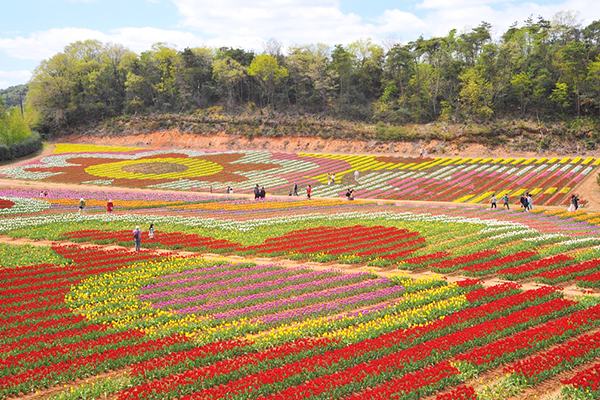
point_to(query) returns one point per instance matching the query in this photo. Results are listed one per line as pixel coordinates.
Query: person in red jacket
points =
(109, 206)
(308, 190)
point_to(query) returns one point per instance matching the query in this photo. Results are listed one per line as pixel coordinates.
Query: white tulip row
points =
(24, 206)
(245, 226)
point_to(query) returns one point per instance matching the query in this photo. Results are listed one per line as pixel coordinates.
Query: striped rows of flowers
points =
(43, 342)
(380, 363)
(385, 245)
(319, 332)
(405, 178)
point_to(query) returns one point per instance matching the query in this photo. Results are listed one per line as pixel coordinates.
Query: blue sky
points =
(34, 30)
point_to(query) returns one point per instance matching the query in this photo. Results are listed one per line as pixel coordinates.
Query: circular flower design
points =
(155, 168)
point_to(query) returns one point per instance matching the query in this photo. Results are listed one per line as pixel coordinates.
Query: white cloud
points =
(11, 78)
(249, 24)
(15, 74)
(453, 4)
(397, 21)
(44, 44)
(444, 15)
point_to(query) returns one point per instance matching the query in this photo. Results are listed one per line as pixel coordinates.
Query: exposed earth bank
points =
(222, 141)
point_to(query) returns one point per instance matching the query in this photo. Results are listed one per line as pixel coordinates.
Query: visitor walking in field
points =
(505, 201)
(295, 189)
(576, 201)
(262, 193)
(523, 201)
(356, 173)
(308, 190)
(328, 179)
(256, 192)
(137, 237)
(529, 201)
(151, 232)
(494, 201)
(109, 206)
(81, 205)
(571, 204)
(333, 179)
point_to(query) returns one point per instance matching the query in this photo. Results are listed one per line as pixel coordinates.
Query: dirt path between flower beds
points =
(58, 389)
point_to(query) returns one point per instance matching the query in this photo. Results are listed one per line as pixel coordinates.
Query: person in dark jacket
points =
(256, 192)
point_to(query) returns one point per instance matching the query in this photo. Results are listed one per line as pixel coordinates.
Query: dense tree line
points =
(14, 96)
(13, 127)
(542, 69)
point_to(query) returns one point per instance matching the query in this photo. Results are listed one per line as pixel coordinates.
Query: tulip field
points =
(450, 179)
(290, 298)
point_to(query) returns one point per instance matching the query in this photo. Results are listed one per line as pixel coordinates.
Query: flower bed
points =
(441, 179)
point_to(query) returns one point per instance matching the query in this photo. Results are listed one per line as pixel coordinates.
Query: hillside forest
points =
(538, 69)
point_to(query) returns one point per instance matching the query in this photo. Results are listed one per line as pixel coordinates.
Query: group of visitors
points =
(330, 179)
(259, 192)
(137, 236)
(526, 201)
(504, 201)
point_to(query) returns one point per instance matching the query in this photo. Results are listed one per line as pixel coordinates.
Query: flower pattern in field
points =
(464, 180)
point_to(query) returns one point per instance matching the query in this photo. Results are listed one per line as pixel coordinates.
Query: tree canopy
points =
(537, 68)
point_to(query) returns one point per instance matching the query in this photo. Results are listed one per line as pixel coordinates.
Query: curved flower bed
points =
(435, 179)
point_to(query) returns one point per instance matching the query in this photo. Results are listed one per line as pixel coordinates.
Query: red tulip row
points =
(422, 261)
(5, 203)
(565, 356)
(175, 240)
(532, 339)
(32, 316)
(459, 393)
(535, 267)
(368, 242)
(145, 369)
(569, 272)
(67, 351)
(175, 385)
(377, 240)
(96, 362)
(488, 267)
(45, 339)
(588, 379)
(493, 291)
(423, 382)
(456, 263)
